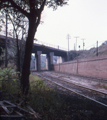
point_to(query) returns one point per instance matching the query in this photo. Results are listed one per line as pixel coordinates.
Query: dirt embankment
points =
(102, 50)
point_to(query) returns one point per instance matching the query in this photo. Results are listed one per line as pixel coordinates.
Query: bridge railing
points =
(49, 45)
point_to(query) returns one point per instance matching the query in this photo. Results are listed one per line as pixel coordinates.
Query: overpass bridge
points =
(41, 48)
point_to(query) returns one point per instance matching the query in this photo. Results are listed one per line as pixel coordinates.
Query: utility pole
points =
(74, 47)
(83, 43)
(79, 47)
(6, 44)
(76, 42)
(68, 37)
(97, 49)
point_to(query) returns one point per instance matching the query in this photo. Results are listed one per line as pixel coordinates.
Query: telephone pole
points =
(83, 43)
(68, 37)
(76, 42)
(97, 49)
(74, 46)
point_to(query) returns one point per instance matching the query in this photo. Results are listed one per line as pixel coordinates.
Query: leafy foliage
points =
(7, 75)
(32, 10)
(54, 104)
(2, 55)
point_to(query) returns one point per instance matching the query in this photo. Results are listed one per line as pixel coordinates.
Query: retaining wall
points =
(92, 67)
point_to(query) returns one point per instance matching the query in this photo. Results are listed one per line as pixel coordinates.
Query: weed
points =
(8, 78)
(101, 85)
(52, 104)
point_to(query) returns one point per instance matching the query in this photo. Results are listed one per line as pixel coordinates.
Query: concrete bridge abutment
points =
(50, 60)
(50, 53)
(38, 60)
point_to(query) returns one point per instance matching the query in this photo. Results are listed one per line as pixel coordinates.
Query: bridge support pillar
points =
(38, 60)
(64, 59)
(50, 60)
(35, 63)
(59, 59)
(47, 62)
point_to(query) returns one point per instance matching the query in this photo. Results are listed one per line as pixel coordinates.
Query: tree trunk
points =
(18, 56)
(27, 56)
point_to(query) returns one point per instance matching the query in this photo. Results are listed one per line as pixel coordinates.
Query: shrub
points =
(7, 77)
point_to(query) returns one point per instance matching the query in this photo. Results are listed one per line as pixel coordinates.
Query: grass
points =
(101, 85)
(53, 104)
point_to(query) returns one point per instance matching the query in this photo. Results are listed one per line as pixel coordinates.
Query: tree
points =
(31, 9)
(18, 27)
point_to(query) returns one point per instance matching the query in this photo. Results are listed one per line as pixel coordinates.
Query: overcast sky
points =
(84, 18)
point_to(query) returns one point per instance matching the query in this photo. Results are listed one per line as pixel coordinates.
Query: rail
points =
(69, 89)
(49, 45)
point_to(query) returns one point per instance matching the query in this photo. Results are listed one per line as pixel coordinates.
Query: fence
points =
(92, 67)
(50, 45)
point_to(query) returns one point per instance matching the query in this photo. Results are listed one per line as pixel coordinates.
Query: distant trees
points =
(31, 9)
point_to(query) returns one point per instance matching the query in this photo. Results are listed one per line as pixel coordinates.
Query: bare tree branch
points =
(42, 6)
(14, 5)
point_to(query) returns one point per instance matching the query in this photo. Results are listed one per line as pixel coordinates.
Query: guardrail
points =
(49, 45)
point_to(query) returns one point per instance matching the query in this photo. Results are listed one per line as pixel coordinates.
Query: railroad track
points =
(76, 84)
(80, 76)
(86, 92)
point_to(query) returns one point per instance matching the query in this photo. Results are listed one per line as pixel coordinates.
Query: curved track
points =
(89, 93)
(81, 77)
